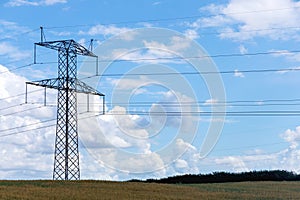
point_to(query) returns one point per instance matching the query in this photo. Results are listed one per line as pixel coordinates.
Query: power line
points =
(36, 123)
(5, 108)
(18, 34)
(27, 125)
(195, 73)
(227, 103)
(17, 112)
(42, 127)
(171, 18)
(279, 113)
(199, 105)
(181, 58)
(212, 113)
(199, 57)
(17, 95)
(25, 66)
(17, 68)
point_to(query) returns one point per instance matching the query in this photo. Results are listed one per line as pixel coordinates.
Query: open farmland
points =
(131, 190)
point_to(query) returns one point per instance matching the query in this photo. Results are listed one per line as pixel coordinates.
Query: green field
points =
(129, 190)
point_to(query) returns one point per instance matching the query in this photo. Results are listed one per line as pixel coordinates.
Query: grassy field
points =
(122, 190)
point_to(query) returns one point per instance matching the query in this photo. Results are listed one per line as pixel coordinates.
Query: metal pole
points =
(26, 94)
(34, 54)
(97, 70)
(103, 105)
(45, 93)
(41, 33)
(88, 103)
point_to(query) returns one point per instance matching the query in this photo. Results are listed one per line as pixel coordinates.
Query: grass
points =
(33, 190)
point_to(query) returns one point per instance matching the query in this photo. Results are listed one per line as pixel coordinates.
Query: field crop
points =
(252, 190)
(33, 190)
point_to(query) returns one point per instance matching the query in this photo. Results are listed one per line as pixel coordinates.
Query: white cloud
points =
(30, 155)
(132, 152)
(16, 3)
(115, 141)
(192, 34)
(52, 2)
(156, 3)
(293, 56)
(235, 162)
(237, 73)
(154, 52)
(212, 8)
(10, 49)
(9, 29)
(285, 159)
(126, 84)
(175, 44)
(283, 71)
(12, 52)
(189, 161)
(292, 136)
(243, 20)
(24, 155)
(120, 131)
(211, 102)
(181, 163)
(106, 30)
(243, 49)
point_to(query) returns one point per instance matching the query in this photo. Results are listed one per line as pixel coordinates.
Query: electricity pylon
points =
(66, 159)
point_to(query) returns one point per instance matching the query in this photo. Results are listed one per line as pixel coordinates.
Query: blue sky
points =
(139, 137)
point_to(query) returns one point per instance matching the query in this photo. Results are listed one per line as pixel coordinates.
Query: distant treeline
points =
(222, 177)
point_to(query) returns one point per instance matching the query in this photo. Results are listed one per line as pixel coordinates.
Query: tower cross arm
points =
(49, 83)
(82, 87)
(69, 45)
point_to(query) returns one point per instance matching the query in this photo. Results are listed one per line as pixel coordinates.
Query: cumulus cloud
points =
(235, 162)
(292, 136)
(117, 143)
(284, 159)
(26, 152)
(114, 148)
(243, 20)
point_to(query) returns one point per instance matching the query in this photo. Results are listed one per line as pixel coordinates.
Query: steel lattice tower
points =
(66, 159)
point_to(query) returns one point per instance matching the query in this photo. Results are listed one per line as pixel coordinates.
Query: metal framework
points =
(66, 159)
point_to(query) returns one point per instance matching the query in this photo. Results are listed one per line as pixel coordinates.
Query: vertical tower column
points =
(66, 159)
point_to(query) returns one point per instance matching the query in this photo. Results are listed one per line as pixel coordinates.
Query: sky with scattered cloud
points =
(190, 87)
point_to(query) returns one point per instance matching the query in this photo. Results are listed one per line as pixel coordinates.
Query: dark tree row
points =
(222, 177)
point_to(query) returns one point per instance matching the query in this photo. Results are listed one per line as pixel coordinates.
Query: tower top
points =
(69, 45)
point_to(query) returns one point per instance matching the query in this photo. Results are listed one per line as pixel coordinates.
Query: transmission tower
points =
(66, 159)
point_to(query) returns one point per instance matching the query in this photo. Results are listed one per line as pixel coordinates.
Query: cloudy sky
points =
(191, 86)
